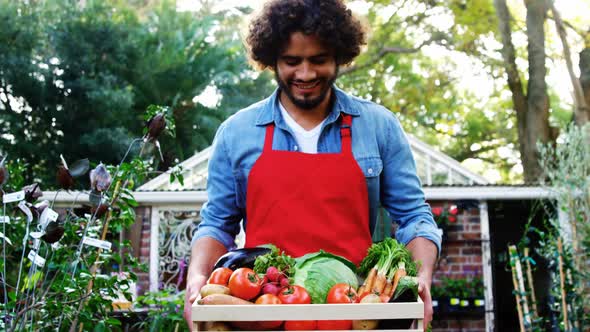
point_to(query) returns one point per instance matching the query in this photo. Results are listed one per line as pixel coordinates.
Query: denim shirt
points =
(379, 146)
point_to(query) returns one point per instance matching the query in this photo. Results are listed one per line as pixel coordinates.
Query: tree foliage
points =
(438, 65)
(78, 78)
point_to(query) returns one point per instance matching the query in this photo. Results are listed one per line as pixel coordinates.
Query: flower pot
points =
(453, 305)
(478, 305)
(464, 303)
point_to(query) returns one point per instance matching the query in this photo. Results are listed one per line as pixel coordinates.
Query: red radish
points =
(270, 288)
(273, 273)
(284, 281)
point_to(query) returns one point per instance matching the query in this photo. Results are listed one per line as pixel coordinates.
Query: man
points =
(307, 168)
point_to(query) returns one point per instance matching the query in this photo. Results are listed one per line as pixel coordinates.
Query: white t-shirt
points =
(307, 140)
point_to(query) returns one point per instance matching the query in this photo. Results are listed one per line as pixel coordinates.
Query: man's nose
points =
(306, 72)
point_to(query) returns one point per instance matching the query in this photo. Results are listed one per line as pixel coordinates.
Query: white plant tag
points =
(14, 197)
(5, 220)
(97, 243)
(23, 206)
(47, 216)
(36, 259)
(37, 235)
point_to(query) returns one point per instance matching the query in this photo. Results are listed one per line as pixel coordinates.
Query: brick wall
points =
(461, 256)
(143, 217)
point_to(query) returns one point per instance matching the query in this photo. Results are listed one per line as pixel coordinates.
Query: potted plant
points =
(453, 291)
(438, 298)
(477, 294)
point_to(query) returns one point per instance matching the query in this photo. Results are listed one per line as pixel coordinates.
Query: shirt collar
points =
(270, 111)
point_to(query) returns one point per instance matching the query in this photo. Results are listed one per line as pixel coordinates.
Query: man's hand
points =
(424, 292)
(424, 251)
(193, 287)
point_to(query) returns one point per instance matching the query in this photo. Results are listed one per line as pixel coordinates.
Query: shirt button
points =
(370, 170)
(295, 148)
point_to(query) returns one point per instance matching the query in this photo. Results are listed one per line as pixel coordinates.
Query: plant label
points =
(47, 216)
(23, 206)
(37, 235)
(97, 243)
(5, 220)
(36, 259)
(14, 197)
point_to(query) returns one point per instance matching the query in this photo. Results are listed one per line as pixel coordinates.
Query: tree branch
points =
(388, 50)
(581, 111)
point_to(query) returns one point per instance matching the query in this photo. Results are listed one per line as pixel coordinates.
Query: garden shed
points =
(478, 220)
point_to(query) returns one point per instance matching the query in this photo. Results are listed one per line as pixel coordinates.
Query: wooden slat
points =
(349, 331)
(262, 312)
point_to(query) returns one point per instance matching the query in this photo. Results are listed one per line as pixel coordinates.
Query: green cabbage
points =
(318, 272)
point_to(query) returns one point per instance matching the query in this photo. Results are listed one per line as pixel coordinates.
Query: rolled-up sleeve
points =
(220, 216)
(401, 192)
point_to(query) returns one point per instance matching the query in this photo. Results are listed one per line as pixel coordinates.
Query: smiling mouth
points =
(306, 86)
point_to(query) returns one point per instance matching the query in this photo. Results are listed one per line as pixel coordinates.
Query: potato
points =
(216, 326)
(367, 324)
(213, 289)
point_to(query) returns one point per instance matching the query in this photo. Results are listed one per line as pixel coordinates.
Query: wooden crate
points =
(265, 312)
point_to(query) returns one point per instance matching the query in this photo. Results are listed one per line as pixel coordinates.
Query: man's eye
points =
(291, 62)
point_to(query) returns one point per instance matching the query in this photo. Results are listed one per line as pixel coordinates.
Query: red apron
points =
(306, 202)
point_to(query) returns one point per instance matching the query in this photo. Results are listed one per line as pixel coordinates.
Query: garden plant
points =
(64, 268)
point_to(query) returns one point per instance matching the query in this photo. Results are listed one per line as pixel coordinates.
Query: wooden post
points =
(517, 279)
(562, 284)
(529, 275)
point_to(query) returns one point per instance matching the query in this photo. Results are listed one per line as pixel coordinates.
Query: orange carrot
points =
(380, 282)
(401, 272)
(388, 287)
(361, 289)
(370, 280)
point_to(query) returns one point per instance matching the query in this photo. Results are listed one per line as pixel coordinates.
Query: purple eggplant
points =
(243, 257)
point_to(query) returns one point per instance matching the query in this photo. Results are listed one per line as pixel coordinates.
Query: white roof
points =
(434, 168)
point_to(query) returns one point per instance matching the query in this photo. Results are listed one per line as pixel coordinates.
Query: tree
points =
(77, 79)
(532, 108)
(409, 67)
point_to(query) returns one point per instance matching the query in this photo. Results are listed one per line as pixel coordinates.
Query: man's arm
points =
(404, 199)
(220, 222)
(204, 253)
(426, 252)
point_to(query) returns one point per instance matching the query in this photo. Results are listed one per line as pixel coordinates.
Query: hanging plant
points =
(445, 215)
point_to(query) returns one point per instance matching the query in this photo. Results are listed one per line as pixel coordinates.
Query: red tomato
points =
(301, 325)
(268, 299)
(294, 295)
(220, 276)
(334, 324)
(342, 293)
(244, 283)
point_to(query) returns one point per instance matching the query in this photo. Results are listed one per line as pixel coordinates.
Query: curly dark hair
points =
(329, 20)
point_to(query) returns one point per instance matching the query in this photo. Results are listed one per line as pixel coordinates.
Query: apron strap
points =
(346, 133)
(270, 130)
